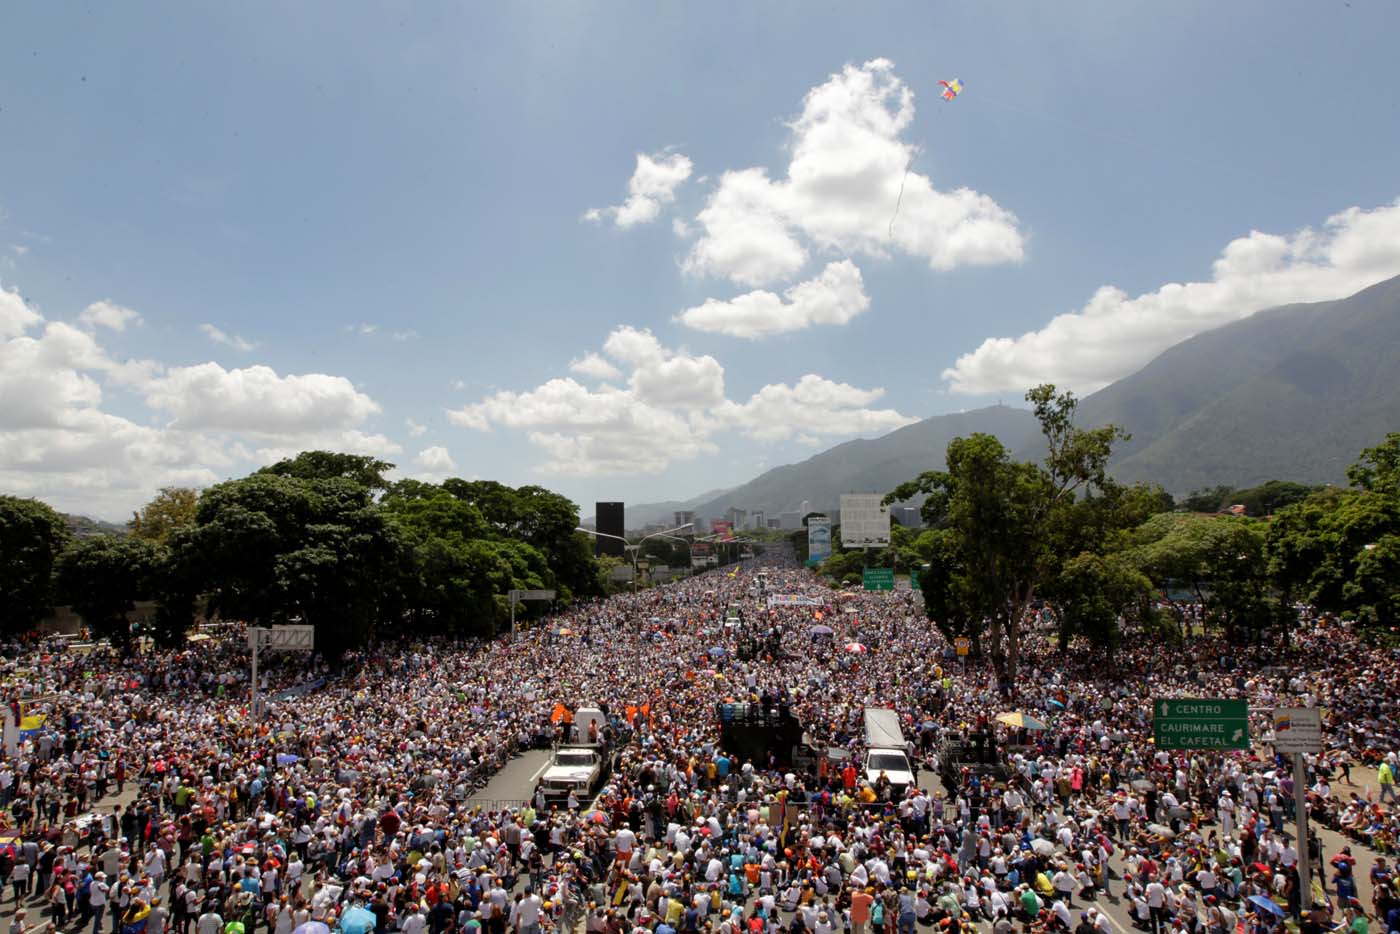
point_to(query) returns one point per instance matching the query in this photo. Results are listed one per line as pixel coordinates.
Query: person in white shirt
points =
(1064, 886)
(1156, 897)
(211, 922)
(527, 914)
(97, 899)
(415, 923)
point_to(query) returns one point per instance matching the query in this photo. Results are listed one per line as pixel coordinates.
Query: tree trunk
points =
(997, 649)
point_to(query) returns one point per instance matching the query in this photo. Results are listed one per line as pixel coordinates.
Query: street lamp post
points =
(636, 548)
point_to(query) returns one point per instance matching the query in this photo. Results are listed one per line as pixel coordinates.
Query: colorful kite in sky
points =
(951, 89)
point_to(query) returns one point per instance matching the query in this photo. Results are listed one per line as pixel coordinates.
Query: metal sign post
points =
(278, 639)
(1298, 730)
(519, 596)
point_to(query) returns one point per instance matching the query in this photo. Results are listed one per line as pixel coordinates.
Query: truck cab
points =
(573, 768)
(582, 762)
(886, 751)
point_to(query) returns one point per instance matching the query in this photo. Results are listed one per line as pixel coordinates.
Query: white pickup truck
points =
(577, 769)
(580, 765)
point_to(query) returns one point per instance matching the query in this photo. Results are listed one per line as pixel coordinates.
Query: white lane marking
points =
(538, 772)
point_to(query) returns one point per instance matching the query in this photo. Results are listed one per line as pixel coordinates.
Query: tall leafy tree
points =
(1336, 548)
(173, 508)
(1378, 469)
(1003, 516)
(32, 536)
(359, 469)
(1092, 592)
(276, 548)
(177, 583)
(540, 518)
(1218, 560)
(102, 577)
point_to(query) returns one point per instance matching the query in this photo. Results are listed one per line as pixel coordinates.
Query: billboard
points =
(865, 521)
(818, 538)
(723, 528)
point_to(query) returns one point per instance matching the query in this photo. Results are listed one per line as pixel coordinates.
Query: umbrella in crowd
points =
(357, 920)
(856, 648)
(1266, 903)
(1023, 721)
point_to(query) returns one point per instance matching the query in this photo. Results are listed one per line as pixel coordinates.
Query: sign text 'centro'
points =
(1190, 723)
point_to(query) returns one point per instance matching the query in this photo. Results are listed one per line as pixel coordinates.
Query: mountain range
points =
(1289, 393)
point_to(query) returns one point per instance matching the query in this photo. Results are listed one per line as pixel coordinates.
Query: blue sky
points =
(230, 231)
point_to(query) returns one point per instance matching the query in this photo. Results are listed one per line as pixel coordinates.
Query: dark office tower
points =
(609, 540)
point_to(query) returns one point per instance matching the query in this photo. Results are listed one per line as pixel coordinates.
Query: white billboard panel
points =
(865, 521)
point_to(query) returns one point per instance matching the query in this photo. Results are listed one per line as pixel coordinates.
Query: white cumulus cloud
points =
(815, 406)
(16, 316)
(653, 184)
(834, 297)
(849, 164)
(107, 314)
(669, 410)
(433, 465)
(415, 429)
(200, 424)
(1114, 334)
(228, 340)
(255, 399)
(592, 364)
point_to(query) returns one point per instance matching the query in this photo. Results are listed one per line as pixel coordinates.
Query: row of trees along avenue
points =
(322, 538)
(1009, 543)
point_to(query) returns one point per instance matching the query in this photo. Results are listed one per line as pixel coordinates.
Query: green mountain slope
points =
(1290, 393)
(870, 464)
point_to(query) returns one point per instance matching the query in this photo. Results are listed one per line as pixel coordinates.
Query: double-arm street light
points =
(637, 548)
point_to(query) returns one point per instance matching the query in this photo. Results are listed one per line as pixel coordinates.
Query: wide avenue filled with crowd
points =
(141, 795)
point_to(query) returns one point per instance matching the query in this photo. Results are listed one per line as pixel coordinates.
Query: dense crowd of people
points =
(351, 800)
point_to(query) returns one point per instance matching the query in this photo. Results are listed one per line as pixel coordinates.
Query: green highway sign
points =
(878, 578)
(1184, 723)
(814, 562)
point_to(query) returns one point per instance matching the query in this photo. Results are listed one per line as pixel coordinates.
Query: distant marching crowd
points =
(143, 798)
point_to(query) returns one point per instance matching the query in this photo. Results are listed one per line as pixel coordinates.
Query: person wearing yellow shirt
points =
(1385, 777)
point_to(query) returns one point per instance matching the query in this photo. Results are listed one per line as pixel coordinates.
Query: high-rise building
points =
(683, 517)
(756, 520)
(611, 530)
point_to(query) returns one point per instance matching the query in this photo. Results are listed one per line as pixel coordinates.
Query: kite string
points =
(913, 155)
